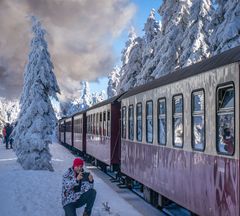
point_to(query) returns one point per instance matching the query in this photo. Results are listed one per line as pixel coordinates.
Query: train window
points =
(108, 123)
(149, 121)
(91, 124)
(104, 124)
(130, 122)
(178, 121)
(198, 120)
(162, 121)
(69, 126)
(124, 122)
(100, 125)
(62, 127)
(76, 126)
(79, 126)
(97, 124)
(225, 119)
(94, 124)
(139, 122)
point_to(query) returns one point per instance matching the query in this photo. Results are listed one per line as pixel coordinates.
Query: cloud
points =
(80, 35)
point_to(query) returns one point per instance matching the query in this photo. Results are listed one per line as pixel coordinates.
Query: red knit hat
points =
(78, 162)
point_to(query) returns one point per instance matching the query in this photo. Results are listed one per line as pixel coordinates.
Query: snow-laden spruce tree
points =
(225, 26)
(131, 62)
(98, 97)
(65, 106)
(173, 26)
(195, 45)
(86, 98)
(36, 121)
(9, 110)
(133, 67)
(152, 30)
(125, 58)
(113, 82)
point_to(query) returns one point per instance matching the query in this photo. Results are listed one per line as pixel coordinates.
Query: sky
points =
(143, 8)
(85, 39)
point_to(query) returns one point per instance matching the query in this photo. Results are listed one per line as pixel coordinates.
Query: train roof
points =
(78, 113)
(225, 58)
(63, 118)
(105, 102)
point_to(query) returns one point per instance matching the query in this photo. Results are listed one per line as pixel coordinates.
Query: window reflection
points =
(198, 115)
(139, 122)
(149, 122)
(178, 121)
(225, 120)
(130, 123)
(162, 122)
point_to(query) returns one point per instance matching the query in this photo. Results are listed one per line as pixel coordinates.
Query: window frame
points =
(158, 113)
(124, 108)
(104, 123)
(130, 106)
(108, 133)
(220, 86)
(139, 103)
(146, 121)
(204, 116)
(173, 112)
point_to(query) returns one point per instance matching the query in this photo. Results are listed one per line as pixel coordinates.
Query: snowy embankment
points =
(38, 193)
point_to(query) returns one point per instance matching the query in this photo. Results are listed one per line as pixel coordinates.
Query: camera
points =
(85, 176)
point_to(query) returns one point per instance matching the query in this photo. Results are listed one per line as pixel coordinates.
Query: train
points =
(177, 136)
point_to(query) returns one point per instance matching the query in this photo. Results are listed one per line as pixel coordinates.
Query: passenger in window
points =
(228, 140)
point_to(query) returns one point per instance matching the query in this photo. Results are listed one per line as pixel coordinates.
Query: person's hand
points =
(79, 176)
(90, 177)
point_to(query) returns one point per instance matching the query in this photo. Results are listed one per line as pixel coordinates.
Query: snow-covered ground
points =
(38, 193)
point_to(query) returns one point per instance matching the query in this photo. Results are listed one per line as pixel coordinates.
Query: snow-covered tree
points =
(125, 57)
(131, 62)
(174, 24)
(36, 121)
(151, 27)
(9, 110)
(128, 46)
(86, 98)
(152, 31)
(225, 26)
(70, 106)
(195, 44)
(98, 97)
(113, 82)
(133, 67)
(65, 106)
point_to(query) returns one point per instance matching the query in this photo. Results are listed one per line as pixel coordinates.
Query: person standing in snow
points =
(77, 189)
(4, 134)
(8, 133)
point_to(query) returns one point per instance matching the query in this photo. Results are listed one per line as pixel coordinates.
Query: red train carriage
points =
(79, 131)
(103, 132)
(180, 136)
